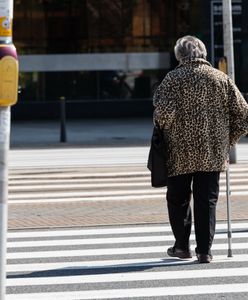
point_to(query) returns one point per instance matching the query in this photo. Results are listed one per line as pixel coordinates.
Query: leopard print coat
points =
(203, 114)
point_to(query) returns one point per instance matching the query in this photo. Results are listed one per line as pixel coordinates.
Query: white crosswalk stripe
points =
(124, 262)
(76, 185)
(99, 241)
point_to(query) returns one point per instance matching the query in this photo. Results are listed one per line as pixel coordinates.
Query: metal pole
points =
(4, 147)
(228, 37)
(228, 53)
(229, 230)
(8, 96)
(212, 34)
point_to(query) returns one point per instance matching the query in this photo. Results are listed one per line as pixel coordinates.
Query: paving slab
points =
(106, 213)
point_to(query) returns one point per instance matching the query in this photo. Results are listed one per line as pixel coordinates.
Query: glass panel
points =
(85, 86)
(50, 86)
(76, 26)
(93, 26)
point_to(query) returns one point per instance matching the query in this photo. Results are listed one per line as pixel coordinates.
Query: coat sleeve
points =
(238, 119)
(164, 103)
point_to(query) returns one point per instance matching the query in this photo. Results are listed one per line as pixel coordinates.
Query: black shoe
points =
(175, 252)
(204, 258)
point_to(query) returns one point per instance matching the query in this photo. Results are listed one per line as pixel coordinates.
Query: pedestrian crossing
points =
(122, 262)
(94, 184)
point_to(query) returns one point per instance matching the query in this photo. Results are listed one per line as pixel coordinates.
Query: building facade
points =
(107, 56)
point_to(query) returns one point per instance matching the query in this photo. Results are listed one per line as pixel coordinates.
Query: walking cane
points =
(228, 193)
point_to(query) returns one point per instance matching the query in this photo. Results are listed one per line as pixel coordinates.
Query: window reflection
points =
(83, 86)
(83, 26)
(97, 26)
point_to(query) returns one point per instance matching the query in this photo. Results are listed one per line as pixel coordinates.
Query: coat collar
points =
(193, 62)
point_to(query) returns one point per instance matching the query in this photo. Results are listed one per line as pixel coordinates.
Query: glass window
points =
(84, 86)
(97, 26)
(87, 26)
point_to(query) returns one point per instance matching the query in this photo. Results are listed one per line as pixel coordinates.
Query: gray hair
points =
(189, 47)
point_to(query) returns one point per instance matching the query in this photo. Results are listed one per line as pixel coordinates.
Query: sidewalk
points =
(98, 212)
(106, 213)
(82, 133)
(85, 134)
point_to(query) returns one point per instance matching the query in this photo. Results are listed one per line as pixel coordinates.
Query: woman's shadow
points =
(109, 269)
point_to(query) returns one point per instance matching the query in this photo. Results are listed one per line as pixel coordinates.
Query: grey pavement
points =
(83, 133)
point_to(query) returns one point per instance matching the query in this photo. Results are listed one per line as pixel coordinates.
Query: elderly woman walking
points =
(203, 114)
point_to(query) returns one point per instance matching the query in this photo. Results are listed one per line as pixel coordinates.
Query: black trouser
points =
(205, 193)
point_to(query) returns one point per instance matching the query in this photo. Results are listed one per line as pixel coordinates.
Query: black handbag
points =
(157, 159)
